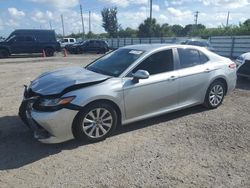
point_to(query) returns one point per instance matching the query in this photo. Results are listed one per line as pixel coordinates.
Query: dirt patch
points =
(195, 147)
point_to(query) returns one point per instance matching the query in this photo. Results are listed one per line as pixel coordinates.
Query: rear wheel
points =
(4, 53)
(95, 123)
(215, 94)
(49, 52)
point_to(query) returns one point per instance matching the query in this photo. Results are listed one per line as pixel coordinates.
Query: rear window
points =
(191, 57)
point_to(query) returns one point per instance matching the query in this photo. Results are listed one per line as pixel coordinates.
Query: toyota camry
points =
(129, 84)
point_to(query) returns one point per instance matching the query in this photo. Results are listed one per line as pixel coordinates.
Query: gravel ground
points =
(195, 147)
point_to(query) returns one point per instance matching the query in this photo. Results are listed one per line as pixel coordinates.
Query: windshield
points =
(9, 38)
(114, 63)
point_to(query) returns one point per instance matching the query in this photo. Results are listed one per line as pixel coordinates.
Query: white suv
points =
(66, 41)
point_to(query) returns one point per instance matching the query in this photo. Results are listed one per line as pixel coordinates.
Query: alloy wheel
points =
(97, 123)
(216, 95)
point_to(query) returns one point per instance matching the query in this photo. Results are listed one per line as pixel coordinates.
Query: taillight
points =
(232, 66)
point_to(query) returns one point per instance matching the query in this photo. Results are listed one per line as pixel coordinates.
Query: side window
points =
(188, 57)
(71, 40)
(65, 40)
(91, 43)
(29, 39)
(203, 58)
(19, 39)
(157, 63)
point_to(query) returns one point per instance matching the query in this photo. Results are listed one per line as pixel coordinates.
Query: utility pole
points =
(89, 21)
(50, 25)
(150, 11)
(196, 14)
(228, 13)
(62, 25)
(83, 32)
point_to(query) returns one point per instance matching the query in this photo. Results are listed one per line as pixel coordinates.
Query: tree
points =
(177, 30)
(128, 32)
(149, 28)
(110, 22)
(166, 30)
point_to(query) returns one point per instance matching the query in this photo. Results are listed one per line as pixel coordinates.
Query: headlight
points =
(52, 104)
(240, 59)
(56, 101)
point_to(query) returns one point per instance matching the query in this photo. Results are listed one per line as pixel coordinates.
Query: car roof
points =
(152, 47)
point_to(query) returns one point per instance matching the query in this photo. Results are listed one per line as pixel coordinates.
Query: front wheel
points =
(49, 52)
(4, 53)
(95, 122)
(215, 95)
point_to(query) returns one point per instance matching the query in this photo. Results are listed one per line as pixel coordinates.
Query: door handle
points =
(172, 78)
(207, 70)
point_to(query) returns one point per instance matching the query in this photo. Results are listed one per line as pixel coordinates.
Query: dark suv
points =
(98, 46)
(29, 41)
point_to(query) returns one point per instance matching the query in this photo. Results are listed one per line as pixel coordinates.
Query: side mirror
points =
(140, 74)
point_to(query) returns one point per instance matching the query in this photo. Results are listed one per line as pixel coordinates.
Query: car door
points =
(156, 94)
(17, 45)
(91, 46)
(193, 76)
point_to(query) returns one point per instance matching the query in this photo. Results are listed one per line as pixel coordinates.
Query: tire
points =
(79, 51)
(4, 53)
(88, 127)
(215, 95)
(49, 52)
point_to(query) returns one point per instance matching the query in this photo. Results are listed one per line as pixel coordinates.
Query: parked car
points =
(129, 84)
(23, 41)
(243, 65)
(98, 46)
(67, 41)
(199, 42)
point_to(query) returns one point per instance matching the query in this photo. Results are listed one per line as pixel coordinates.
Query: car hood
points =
(59, 81)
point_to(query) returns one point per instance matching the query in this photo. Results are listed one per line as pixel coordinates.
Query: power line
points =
(82, 22)
(196, 14)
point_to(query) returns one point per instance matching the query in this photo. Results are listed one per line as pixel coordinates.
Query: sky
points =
(36, 14)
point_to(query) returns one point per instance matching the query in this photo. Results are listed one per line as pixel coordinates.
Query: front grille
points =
(245, 68)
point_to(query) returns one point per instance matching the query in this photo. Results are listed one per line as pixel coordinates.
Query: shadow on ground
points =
(18, 147)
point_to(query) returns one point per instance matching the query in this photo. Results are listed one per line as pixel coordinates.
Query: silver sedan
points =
(129, 84)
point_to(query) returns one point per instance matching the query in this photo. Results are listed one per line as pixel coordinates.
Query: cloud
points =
(12, 23)
(226, 3)
(155, 8)
(162, 18)
(178, 13)
(125, 3)
(14, 13)
(42, 17)
(124, 18)
(59, 4)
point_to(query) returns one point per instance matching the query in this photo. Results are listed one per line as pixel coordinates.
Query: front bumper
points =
(48, 127)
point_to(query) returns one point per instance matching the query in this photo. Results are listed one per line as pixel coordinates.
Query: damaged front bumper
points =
(48, 127)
